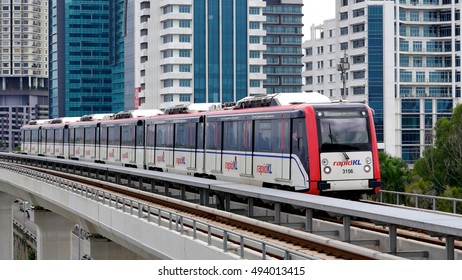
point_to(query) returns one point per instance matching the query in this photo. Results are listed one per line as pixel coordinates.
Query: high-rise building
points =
(283, 42)
(23, 66)
(86, 57)
(404, 61)
(198, 51)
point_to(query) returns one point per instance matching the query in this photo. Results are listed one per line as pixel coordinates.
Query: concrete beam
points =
(6, 226)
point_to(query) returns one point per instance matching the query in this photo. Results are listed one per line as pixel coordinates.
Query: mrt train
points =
(296, 142)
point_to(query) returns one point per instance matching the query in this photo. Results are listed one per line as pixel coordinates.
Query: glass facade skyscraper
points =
(283, 42)
(85, 50)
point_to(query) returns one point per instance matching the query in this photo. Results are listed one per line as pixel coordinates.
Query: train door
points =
(281, 132)
(139, 144)
(128, 150)
(150, 144)
(59, 150)
(300, 152)
(42, 141)
(114, 142)
(103, 143)
(214, 146)
(164, 145)
(185, 144)
(245, 144)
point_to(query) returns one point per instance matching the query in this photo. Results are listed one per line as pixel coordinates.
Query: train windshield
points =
(343, 131)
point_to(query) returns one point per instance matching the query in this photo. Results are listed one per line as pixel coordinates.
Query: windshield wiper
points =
(334, 140)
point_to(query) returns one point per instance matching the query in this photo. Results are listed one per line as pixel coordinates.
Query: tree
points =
(441, 165)
(394, 172)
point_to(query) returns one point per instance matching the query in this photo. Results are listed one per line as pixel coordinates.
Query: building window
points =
(185, 38)
(185, 9)
(254, 40)
(185, 68)
(168, 83)
(358, 12)
(254, 69)
(254, 83)
(309, 51)
(168, 97)
(185, 53)
(254, 54)
(358, 28)
(185, 23)
(185, 83)
(344, 46)
(185, 97)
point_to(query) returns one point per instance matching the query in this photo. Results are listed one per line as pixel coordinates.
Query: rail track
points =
(305, 243)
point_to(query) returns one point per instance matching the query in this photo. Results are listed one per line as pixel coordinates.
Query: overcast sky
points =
(315, 12)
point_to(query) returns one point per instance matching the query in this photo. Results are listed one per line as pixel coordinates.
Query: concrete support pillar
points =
(53, 235)
(101, 248)
(6, 226)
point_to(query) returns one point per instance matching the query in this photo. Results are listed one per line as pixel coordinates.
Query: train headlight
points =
(368, 160)
(367, 168)
(325, 161)
(327, 170)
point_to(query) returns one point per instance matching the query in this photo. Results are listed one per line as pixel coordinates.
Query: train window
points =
(213, 140)
(35, 135)
(66, 135)
(113, 135)
(244, 133)
(263, 134)
(281, 136)
(150, 137)
(59, 136)
(72, 135)
(79, 135)
(43, 135)
(230, 135)
(343, 133)
(128, 135)
(139, 136)
(89, 135)
(50, 135)
(299, 141)
(103, 136)
(185, 135)
(164, 135)
(200, 135)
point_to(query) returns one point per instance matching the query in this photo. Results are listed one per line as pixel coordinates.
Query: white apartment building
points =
(197, 51)
(404, 61)
(23, 66)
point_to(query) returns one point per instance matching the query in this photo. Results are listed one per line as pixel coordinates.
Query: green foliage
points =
(442, 165)
(394, 172)
(32, 255)
(447, 205)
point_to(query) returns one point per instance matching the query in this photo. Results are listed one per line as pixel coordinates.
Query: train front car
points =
(346, 149)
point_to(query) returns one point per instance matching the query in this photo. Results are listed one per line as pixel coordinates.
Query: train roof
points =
(138, 113)
(282, 99)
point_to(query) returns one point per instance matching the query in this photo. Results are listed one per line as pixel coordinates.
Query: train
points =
(304, 143)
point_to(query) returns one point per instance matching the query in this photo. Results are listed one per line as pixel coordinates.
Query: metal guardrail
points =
(446, 226)
(175, 221)
(421, 201)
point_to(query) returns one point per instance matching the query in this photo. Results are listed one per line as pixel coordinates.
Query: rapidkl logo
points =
(231, 165)
(161, 158)
(180, 161)
(125, 155)
(347, 162)
(111, 153)
(264, 169)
